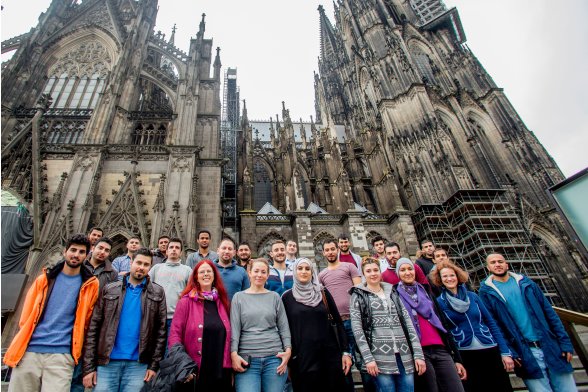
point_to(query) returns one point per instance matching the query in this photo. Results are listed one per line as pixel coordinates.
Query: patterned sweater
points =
(390, 330)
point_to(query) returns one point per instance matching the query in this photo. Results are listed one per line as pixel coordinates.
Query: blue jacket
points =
(477, 321)
(553, 337)
(274, 283)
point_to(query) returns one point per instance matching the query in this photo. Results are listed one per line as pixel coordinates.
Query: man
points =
(440, 255)
(345, 253)
(378, 248)
(203, 252)
(338, 278)
(234, 277)
(127, 336)
(537, 339)
(291, 250)
(99, 264)
(392, 256)
(56, 311)
(172, 275)
(244, 254)
(160, 254)
(123, 263)
(426, 260)
(280, 274)
(93, 235)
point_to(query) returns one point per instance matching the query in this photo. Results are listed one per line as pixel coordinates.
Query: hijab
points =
(310, 293)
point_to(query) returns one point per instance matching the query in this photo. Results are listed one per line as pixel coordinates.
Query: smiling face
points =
(379, 247)
(226, 252)
(291, 249)
(406, 273)
(244, 253)
(258, 274)
(497, 265)
(304, 273)
(344, 245)
(449, 278)
(278, 252)
(94, 235)
(203, 240)
(205, 277)
(330, 251)
(75, 255)
(372, 274)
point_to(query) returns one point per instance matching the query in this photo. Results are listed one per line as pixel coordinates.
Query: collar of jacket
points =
(490, 283)
(126, 278)
(57, 268)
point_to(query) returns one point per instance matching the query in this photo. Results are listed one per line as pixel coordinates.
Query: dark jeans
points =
(441, 374)
(368, 382)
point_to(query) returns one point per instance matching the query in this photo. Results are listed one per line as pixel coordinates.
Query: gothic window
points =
(152, 98)
(149, 134)
(262, 191)
(423, 63)
(77, 78)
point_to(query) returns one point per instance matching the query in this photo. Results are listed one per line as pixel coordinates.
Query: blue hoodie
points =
(274, 283)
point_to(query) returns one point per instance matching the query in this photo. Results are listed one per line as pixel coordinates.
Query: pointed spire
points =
(328, 41)
(244, 118)
(272, 133)
(217, 64)
(202, 26)
(172, 38)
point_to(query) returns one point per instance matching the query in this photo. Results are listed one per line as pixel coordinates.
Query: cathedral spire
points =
(172, 38)
(244, 118)
(328, 42)
(217, 64)
(202, 26)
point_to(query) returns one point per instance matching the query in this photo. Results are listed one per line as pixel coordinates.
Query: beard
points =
(73, 263)
(501, 275)
(333, 260)
(344, 249)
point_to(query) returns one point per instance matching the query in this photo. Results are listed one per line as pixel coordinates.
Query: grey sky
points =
(536, 50)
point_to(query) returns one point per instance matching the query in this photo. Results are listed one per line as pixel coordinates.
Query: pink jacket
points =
(188, 326)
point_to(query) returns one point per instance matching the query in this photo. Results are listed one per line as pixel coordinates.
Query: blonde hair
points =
(369, 260)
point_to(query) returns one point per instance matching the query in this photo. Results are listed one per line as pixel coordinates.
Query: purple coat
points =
(188, 326)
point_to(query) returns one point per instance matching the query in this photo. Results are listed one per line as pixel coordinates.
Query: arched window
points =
(423, 63)
(262, 192)
(77, 78)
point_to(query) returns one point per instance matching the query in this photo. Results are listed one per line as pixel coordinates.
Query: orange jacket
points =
(34, 305)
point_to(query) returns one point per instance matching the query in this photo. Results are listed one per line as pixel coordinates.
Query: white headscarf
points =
(306, 293)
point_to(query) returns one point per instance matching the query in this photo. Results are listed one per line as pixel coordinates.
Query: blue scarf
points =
(415, 299)
(460, 302)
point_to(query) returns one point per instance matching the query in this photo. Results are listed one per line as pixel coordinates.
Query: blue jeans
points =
(121, 376)
(261, 375)
(396, 382)
(368, 382)
(551, 381)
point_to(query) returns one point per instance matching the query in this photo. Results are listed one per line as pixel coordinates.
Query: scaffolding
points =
(228, 134)
(474, 223)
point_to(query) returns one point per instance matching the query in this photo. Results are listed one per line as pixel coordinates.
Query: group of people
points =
(224, 321)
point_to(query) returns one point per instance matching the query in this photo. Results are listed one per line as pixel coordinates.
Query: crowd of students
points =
(224, 321)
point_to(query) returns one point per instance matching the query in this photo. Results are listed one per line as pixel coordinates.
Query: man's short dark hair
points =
(204, 231)
(392, 245)
(439, 249)
(245, 243)
(134, 237)
(227, 239)
(377, 239)
(330, 240)
(106, 240)
(96, 228)
(143, 252)
(78, 239)
(162, 237)
(178, 240)
(425, 241)
(343, 236)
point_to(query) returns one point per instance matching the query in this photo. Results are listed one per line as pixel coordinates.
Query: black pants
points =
(485, 371)
(441, 374)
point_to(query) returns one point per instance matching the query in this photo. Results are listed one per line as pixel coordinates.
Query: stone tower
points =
(126, 136)
(412, 139)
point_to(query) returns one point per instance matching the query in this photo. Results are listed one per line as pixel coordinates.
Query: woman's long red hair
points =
(217, 283)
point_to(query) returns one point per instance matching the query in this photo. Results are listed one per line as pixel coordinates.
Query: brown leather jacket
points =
(104, 325)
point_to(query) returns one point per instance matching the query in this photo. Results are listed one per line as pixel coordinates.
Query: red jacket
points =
(188, 326)
(34, 304)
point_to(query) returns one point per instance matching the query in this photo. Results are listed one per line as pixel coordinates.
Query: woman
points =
(260, 343)
(319, 361)
(201, 324)
(385, 337)
(482, 347)
(444, 368)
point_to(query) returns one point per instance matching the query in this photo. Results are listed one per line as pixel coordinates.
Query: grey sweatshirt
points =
(259, 325)
(173, 277)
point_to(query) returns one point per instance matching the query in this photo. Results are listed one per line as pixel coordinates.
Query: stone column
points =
(303, 234)
(357, 232)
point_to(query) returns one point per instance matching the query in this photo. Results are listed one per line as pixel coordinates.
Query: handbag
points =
(332, 322)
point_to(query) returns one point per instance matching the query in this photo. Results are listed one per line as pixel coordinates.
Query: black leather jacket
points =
(104, 325)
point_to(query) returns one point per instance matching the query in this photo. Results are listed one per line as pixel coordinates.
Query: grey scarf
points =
(308, 294)
(460, 302)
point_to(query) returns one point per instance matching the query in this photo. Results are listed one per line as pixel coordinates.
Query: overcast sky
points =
(537, 50)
